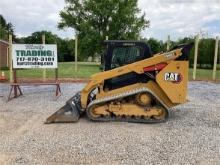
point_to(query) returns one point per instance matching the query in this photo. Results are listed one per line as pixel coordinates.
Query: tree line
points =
(206, 50)
(93, 20)
(65, 47)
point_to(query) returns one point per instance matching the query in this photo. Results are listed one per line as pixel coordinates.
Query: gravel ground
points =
(190, 136)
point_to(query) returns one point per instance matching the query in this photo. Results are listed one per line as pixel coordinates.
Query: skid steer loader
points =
(135, 85)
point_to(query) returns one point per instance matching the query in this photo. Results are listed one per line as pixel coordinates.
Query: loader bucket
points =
(69, 113)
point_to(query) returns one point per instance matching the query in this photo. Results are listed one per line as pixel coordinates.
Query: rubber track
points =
(122, 95)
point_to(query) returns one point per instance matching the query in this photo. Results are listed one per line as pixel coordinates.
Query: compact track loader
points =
(135, 86)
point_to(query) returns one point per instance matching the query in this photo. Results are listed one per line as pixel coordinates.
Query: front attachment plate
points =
(68, 113)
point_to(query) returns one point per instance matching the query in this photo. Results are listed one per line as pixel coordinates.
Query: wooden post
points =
(215, 59)
(107, 30)
(15, 81)
(44, 69)
(7, 56)
(56, 69)
(168, 42)
(12, 72)
(56, 74)
(195, 56)
(10, 59)
(43, 39)
(76, 45)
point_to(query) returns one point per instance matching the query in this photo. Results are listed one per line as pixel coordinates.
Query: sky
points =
(177, 18)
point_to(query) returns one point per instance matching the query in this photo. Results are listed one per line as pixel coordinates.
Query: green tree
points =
(155, 45)
(64, 50)
(206, 53)
(95, 19)
(36, 38)
(186, 40)
(6, 29)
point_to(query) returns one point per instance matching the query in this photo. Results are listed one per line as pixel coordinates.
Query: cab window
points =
(125, 55)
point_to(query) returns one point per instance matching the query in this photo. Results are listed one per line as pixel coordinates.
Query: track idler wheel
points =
(68, 113)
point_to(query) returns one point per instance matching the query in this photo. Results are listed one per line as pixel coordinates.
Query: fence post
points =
(76, 60)
(215, 59)
(44, 69)
(168, 42)
(195, 56)
(107, 30)
(10, 59)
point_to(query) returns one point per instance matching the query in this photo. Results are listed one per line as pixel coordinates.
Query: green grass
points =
(66, 70)
(204, 74)
(86, 69)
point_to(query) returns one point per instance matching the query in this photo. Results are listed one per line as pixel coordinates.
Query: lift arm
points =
(98, 79)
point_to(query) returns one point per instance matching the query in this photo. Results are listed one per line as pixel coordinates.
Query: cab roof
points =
(125, 43)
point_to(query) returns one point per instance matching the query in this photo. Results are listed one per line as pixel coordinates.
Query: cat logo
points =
(173, 77)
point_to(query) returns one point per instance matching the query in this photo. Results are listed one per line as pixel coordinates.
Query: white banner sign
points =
(34, 55)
